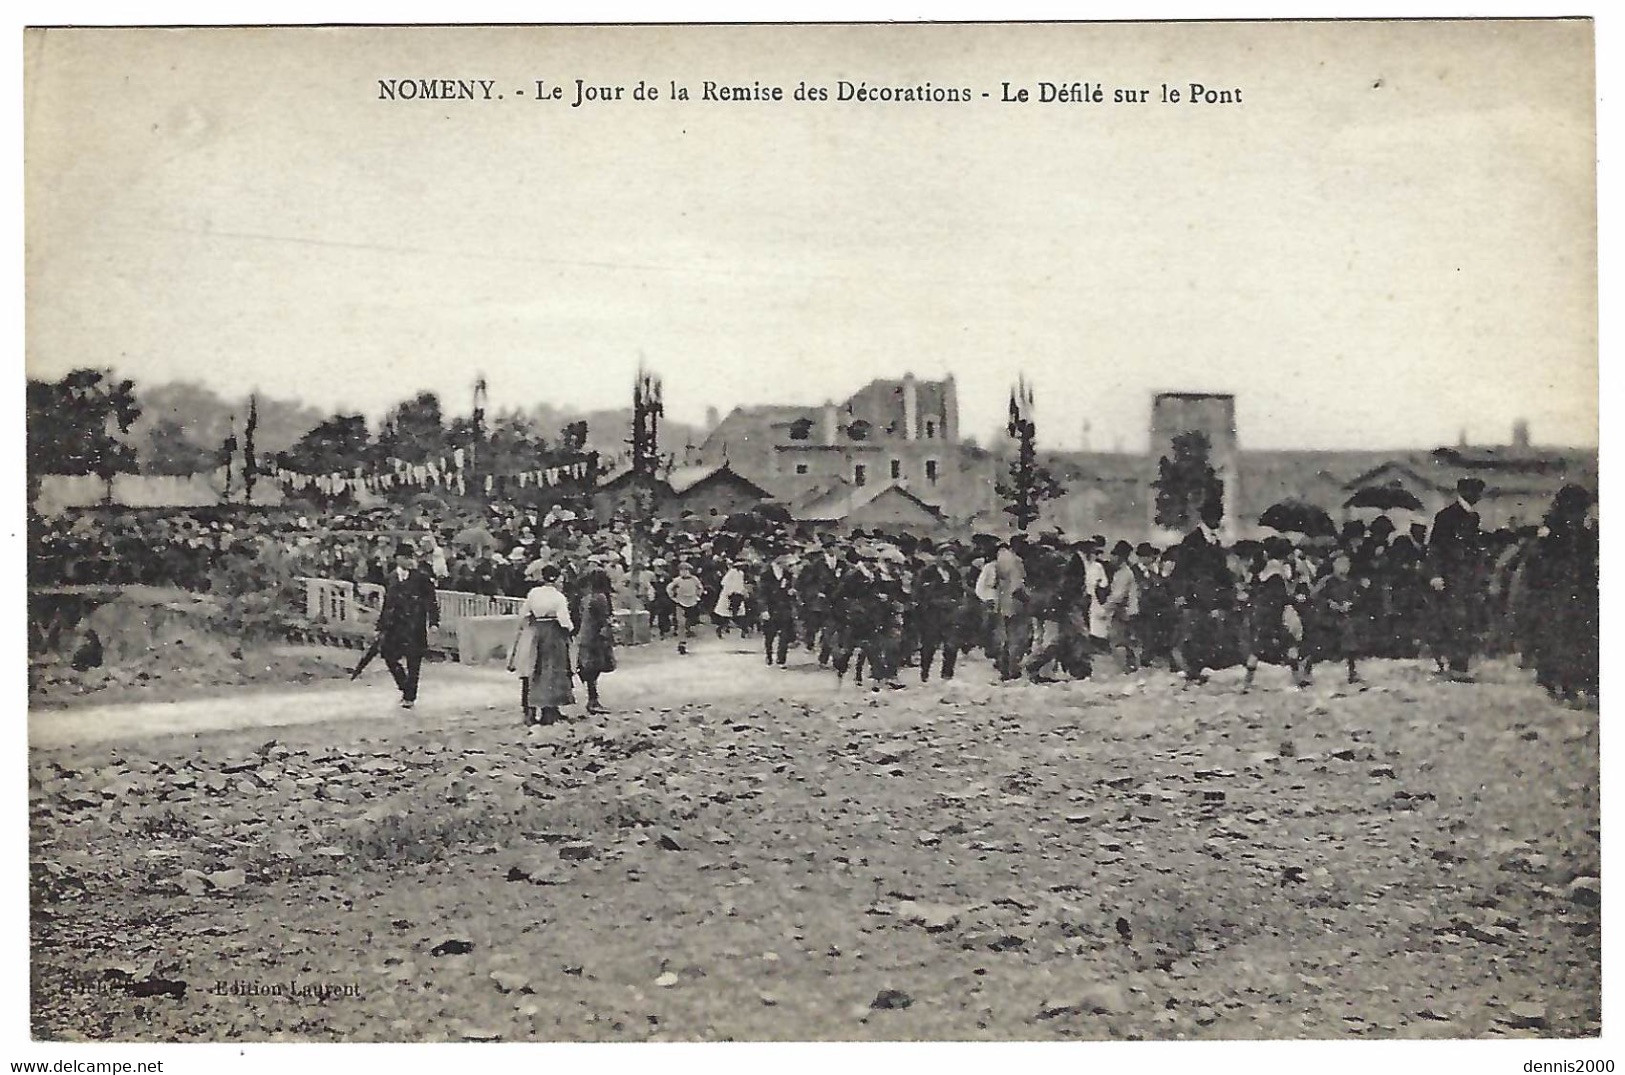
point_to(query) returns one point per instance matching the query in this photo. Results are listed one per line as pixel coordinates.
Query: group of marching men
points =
(1043, 608)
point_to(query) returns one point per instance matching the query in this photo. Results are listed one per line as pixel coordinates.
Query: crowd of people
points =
(143, 547)
(870, 605)
(184, 548)
(1043, 608)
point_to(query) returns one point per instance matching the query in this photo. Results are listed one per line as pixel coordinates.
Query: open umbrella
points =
(475, 537)
(1298, 517)
(1384, 498)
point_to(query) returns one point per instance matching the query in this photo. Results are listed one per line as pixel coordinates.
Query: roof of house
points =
(843, 499)
(682, 479)
(619, 476)
(1441, 476)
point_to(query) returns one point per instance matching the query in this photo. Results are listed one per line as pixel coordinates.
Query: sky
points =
(1390, 241)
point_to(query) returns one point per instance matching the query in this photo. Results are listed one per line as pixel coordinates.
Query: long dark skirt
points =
(551, 682)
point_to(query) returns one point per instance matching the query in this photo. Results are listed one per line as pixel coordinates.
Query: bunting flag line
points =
(448, 472)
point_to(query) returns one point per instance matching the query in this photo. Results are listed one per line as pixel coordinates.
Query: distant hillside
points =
(205, 418)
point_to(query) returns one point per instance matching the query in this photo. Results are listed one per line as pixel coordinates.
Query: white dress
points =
(733, 582)
(1095, 577)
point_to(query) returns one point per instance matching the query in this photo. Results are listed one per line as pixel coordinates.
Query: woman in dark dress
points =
(1563, 587)
(595, 648)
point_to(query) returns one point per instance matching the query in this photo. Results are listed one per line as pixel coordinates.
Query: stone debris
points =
(1526, 1016)
(888, 999)
(511, 982)
(935, 917)
(1097, 998)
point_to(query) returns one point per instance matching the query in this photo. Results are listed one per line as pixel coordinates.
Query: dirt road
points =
(744, 852)
(448, 692)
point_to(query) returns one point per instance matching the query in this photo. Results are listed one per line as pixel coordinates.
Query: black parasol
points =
(1298, 517)
(1384, 498)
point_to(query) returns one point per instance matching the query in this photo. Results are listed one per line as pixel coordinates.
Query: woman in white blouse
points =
(730, 599)
(541, 650)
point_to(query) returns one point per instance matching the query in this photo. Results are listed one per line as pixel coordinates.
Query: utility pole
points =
(228, 448)
(648, 407)
(478, 438)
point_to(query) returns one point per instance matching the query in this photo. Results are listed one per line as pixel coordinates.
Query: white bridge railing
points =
(457, 605)
(353, 608)
(351, 604)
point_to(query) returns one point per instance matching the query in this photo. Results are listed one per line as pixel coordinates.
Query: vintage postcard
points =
(860, 532)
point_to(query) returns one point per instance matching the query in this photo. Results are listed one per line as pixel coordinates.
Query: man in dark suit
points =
(776, 596)
(1204, 593)
(939, 594)
(1455, 552)
(408, 611)
(815, 587)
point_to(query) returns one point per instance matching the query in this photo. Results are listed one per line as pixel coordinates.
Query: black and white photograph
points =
(1065, 532)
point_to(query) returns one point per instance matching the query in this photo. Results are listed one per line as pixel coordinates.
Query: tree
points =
(574, 437)
(1027, 489)
(168, 448)
(515, 443)
(250, 463)
(336, 445)
(77, 426)
(1030, 483)
(415, 430)
(1186, 481)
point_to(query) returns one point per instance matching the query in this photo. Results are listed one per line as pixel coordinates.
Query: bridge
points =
(474, 627)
